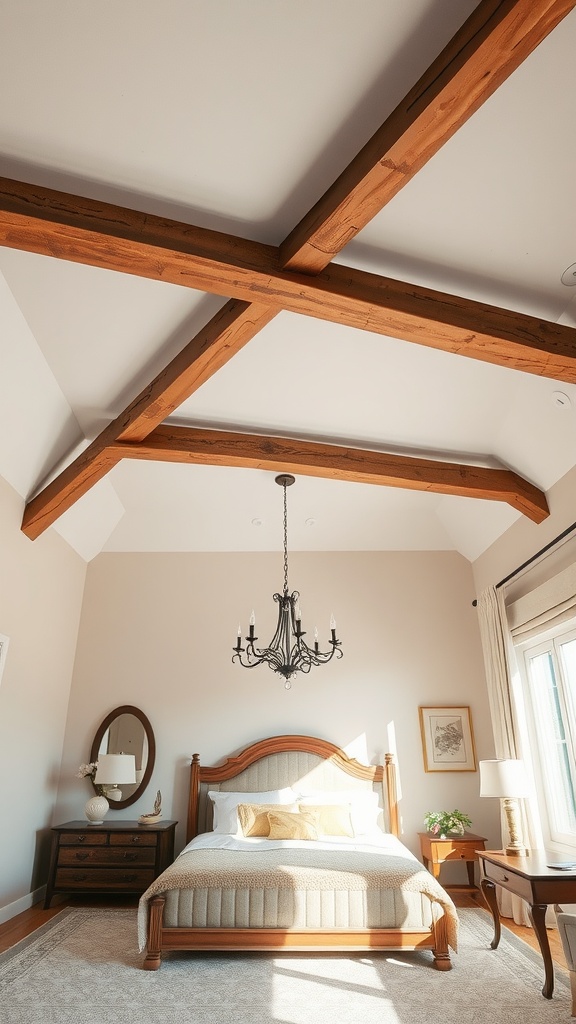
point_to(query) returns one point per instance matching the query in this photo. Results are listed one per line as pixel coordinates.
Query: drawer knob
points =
(82, 856)
(80, 878)
(81, 838)
(504, 878)
(135, 839)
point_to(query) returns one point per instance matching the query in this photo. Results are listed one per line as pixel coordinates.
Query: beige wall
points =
(41, 587)
(157, 631)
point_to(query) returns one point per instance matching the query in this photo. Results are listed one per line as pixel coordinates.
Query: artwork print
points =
(447, 740)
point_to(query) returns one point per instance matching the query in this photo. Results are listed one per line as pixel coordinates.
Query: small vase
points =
(95, 809)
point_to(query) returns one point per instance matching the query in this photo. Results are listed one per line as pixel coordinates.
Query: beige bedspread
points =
(299, 869)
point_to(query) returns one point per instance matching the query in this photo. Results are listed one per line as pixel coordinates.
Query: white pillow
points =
(364, 807)
(226, 806)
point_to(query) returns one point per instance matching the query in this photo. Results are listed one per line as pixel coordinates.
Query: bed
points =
(293, 845)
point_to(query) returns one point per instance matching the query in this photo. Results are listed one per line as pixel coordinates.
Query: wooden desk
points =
(539, 885)
(436, 851)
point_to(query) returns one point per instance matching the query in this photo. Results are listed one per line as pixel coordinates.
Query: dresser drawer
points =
(84, 839)
(509, 880)
(115, 857)
(133, 839)
(126, 879)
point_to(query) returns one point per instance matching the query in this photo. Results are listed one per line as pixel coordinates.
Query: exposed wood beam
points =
(163, 250)
(492, 43)
(225, 334)
(335, 462)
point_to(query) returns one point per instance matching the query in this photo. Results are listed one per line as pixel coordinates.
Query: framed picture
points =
(447, 739)
(3, 652)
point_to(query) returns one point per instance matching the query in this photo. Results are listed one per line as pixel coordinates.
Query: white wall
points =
(41, 587)
(157, 631)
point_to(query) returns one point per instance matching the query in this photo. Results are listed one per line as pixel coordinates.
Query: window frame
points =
(550, 642)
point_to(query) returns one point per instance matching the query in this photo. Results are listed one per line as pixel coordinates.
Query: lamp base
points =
(516, 846)
(96, 809)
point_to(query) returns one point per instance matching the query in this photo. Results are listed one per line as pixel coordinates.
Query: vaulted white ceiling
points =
(237, 115)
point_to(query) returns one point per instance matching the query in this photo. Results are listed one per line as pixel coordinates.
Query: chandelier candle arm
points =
(287, 652)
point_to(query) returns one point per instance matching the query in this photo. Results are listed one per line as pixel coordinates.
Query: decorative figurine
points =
(151, 819)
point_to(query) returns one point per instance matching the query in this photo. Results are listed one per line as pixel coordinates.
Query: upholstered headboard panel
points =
(303, 762)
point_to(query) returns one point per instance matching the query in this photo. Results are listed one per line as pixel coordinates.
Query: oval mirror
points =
(126, 730)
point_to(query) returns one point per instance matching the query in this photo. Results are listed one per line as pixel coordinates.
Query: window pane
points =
(551, 719)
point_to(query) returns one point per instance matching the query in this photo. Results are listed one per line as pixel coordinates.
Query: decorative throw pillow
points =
(253, 818)
(364, 809)
(226, 805)
(332, 819)
(286, 825)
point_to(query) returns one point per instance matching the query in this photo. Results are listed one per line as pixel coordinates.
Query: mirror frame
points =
(127, 709)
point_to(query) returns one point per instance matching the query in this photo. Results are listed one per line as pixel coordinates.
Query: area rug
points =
(83, 967)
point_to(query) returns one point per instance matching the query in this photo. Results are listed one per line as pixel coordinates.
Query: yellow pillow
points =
(286, 825)
(253, 818)
(332, 819)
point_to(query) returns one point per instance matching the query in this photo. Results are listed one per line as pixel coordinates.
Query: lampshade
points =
(503, 778)
(115, 769)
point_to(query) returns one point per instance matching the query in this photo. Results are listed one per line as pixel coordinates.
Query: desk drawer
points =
(458, 851)
(509, 880)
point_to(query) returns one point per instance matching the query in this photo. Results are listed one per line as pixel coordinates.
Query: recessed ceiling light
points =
(310, 522)
(561, 400)
(257, 522)
(569, 276)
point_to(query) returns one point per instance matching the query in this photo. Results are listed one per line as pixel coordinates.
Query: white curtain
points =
(506, 708)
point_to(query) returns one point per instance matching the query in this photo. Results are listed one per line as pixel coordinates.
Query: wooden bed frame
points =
(162, 938)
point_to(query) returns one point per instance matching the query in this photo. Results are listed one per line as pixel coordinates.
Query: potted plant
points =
(446, 823)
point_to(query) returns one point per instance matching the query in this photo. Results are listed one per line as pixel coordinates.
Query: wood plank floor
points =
(19, 927)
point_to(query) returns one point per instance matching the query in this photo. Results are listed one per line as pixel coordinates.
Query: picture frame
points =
(4, 641)
(447, 739)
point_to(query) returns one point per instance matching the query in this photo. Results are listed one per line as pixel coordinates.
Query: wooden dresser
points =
(117, 856)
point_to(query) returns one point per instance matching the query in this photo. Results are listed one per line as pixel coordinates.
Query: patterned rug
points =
(83, 967)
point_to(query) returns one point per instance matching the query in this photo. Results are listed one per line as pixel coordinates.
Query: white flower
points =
(87, 769)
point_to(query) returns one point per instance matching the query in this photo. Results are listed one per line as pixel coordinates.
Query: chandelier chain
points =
(285, 542)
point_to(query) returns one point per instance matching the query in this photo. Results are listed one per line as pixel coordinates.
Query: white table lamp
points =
(113, 770)
(505, 778)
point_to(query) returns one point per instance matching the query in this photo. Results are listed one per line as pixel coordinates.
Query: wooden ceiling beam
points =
(336, 462)
(45, 221)
(491, 44)
(497, 37)
(225, 334)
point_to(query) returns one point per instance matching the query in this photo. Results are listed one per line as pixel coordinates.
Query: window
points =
(548, 667)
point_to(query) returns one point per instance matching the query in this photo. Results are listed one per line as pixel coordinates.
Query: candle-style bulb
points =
(239, 630)
(298, 614)
(332, 622)
(252, 619)
(316, 632)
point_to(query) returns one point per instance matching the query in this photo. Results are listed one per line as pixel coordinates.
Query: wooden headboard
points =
(284, 761)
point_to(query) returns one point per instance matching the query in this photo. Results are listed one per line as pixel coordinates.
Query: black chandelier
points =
(287, 652)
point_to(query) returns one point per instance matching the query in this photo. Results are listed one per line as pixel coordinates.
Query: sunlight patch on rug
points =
(83, 967)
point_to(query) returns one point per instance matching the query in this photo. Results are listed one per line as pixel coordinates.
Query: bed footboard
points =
(154, 945)
(434, 939)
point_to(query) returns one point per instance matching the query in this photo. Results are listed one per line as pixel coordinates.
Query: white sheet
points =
(374, 842)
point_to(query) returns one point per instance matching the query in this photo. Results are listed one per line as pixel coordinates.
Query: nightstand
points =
(117, 856)
(436, 851)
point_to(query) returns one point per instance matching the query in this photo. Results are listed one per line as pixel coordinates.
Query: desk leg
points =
(489, 892)
(537, 914)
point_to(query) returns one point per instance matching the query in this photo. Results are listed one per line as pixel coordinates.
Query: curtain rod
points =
(529, 561)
